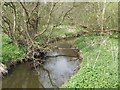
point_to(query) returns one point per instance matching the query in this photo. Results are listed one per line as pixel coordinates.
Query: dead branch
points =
(58, 6)
(61, 20)
(106, 30)
(7, 21)
(4, 18)
(34, 9)
(48, 21)
(49, 76)
(14, 24)
(67, 13)
(62, 56)
(24, 9)
(5, 29)
(27, 24)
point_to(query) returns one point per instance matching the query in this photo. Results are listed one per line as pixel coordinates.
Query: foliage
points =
(25, 22)
(9, 50)
(99, 68)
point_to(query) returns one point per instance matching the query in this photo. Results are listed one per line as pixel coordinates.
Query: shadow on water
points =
(59, 67)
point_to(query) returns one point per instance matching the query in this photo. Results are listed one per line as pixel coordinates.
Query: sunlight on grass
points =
(99, 68)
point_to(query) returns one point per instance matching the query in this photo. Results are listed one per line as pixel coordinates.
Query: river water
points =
(59, 67)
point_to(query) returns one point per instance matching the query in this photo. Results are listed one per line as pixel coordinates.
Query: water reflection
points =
(60, 64)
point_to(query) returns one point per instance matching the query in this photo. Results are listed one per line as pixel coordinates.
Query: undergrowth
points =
(9, 50)
(99, 68)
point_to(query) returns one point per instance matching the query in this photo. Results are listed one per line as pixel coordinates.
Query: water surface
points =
(59, 67)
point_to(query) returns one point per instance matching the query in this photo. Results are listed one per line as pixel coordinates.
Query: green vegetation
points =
(99, 68)
(9, 50)
(99, 65)
(32, 22)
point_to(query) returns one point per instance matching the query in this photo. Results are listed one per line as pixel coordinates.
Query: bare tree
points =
(25, 22)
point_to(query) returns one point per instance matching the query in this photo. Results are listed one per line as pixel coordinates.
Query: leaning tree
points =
(25, 22)
(32, 24)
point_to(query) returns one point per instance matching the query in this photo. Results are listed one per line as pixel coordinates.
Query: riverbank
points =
(9, 50)
(99, 68)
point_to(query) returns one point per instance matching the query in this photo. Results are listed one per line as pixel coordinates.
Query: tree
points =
(24, 22)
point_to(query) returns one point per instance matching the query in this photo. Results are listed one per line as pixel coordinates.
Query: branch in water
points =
(49, 76)
(62, 55)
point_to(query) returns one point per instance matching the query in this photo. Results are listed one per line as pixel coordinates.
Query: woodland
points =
(30, 30)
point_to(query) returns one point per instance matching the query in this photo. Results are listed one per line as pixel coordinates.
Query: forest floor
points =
(99, 67)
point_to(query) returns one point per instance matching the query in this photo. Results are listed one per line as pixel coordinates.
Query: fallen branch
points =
(62, 55)
(49, 76)
(53, 40)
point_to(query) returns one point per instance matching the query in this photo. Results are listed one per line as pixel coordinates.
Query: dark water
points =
(58, 68)
(21, 77)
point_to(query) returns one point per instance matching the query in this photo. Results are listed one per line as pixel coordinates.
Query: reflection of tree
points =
(49, 76)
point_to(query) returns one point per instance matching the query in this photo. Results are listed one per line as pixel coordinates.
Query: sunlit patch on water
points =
(60, 68)
(60, 64)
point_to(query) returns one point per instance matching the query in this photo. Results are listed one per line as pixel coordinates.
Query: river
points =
(60, 65)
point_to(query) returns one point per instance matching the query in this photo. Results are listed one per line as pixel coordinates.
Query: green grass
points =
(9, 50)
(99, 68)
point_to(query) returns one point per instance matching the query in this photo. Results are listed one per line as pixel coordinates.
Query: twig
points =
(27, 22)
(24, 9)
(6, 20)
(33, 10)
(60, 21)
(14, 24)
(66, 14)
(48, 21)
